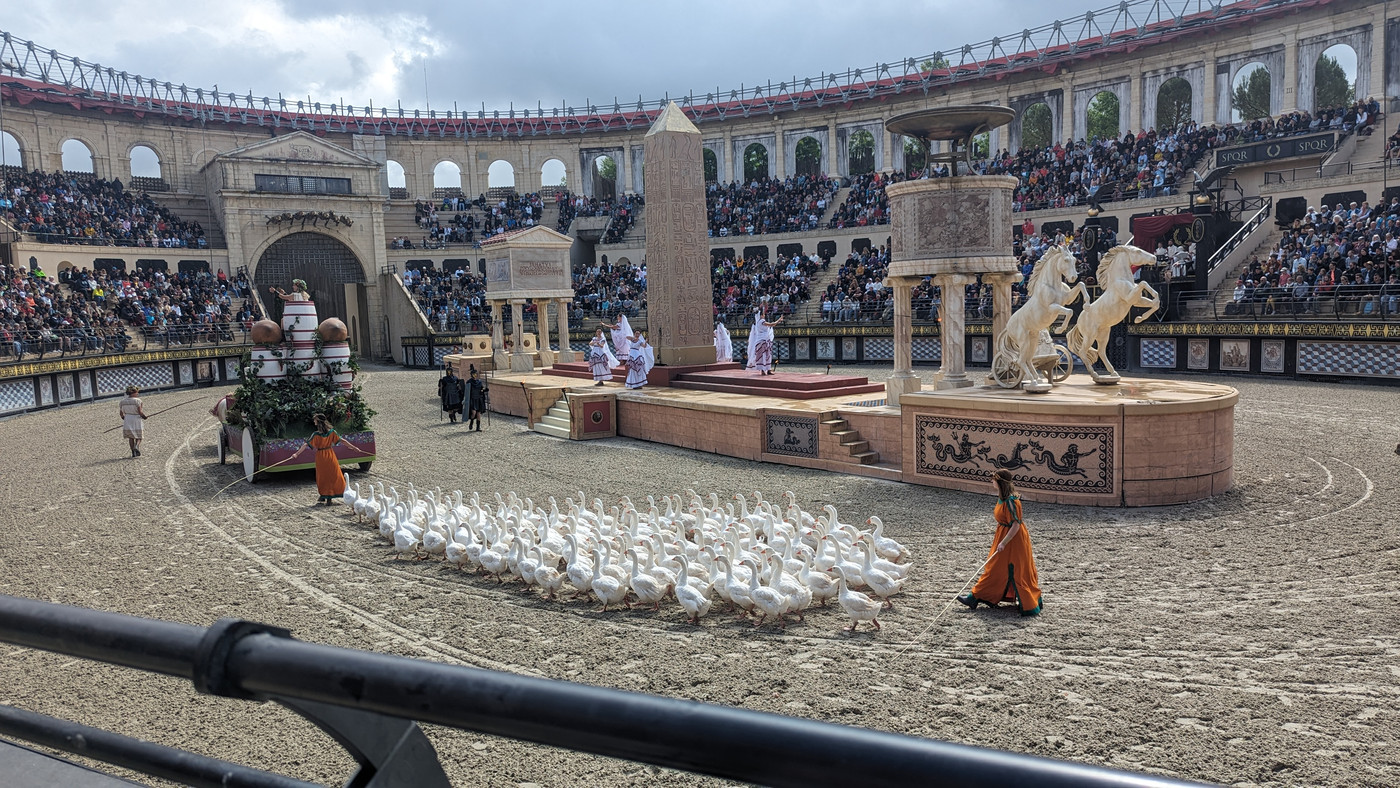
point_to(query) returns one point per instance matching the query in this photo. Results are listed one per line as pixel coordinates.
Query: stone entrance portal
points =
(325, 263)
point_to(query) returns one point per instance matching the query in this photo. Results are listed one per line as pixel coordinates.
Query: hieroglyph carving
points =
(677, 247)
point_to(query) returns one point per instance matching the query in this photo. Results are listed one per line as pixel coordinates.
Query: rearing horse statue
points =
(1089, 336)
(1047, 293)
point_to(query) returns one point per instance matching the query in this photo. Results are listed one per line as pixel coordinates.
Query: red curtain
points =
(1147, 229)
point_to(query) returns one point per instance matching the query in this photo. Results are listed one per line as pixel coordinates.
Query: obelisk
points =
(679, 305)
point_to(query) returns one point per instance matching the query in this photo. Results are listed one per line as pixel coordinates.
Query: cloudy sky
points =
(498, 52)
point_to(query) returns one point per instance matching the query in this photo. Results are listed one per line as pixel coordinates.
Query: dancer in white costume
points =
(600, 359)
(761, 344)
(724, 346)
(639, 361)
(621, 335)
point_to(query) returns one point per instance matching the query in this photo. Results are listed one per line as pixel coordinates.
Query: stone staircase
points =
(857, 447)
(555, 420)
(193, 208)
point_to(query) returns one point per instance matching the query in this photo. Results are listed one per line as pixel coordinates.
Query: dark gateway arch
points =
(325, 263)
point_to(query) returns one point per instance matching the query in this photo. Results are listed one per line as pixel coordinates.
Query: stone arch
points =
(1154, 95)
(554, 173)
(603, 172)
(202, 157)
(77, 156)
(500, 175)
(12, 149)
(711, 164)
(738, 152)
(860, 153)
(1103, 118)
(1358, 40)
(1036, 126)
(914, 155)
(716, 149)
(144, 161)
(1053, 99)
(395, 175)
(1086, 95)
(1251, 92)
(326, 263)
(447, 175)
(807, 156)
(1175, 104)
(1334, 76)
(757, 163)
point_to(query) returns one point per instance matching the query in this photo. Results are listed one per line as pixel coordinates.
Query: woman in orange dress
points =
(330, 481)
(1009, 574)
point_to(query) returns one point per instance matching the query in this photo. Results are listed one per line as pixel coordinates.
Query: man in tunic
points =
(132, 416)
(451, 390)
(477, 392)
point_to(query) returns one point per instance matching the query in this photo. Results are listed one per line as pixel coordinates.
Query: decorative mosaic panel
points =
(67, 391)
(1369, 359)
(826, 349)
(186, 373)
(230, 369)
(795, 436)
(46, 391)
(979, 347)
(146, 376)
(927, 349)
(1234, 355)
(803, 348)
(1157, 353)
(848, 348)
(1271, 355)
(868, 403)
(1064, 458)
(879, 349)
(1198, 354)
(16, 395)
(439, 353)
(84, 385)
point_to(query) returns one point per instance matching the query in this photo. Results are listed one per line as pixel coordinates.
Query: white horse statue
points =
(1089, 336)
(1047, 294)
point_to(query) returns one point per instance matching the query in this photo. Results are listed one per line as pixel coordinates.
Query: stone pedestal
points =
(566, 353)
(680, 312)
(952, 331)
(903, 381)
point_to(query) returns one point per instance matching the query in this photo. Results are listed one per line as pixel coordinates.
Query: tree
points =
(1330, 84)
(861, 151)
(1250, 98)
(1036, 126)
(1173, 103)
(755, 162)
(929, 64)
(711, 166)
(981, 145)
(809, 156)
(914, 158)
(607, 169)
(1103, 116)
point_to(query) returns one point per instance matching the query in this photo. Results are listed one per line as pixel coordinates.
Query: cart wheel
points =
(1064, 364)
(223, 449)
(250, 457)
(1006, 372)
(365, 466)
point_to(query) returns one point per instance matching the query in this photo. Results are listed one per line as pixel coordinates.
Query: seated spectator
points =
(74, 208)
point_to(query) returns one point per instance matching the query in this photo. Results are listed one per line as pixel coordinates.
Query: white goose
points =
(881, 584)
(886, 547)
(648, 589)
(857, 605)
(696, 602)
(548, 578)
(770, 602)
(608, 589)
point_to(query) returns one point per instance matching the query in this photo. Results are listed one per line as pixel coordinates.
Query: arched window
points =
(1037, 127)
(1250, 93)
(447, 175)
(755, 162)
(76, 157)
(397, 179)
(1173, 104)
(860, 153)
(554, 173)
(604, 178)
(915, 157)
(500, 175)
(1334, 77)
(10, 153)
(1103, 116)
(711, 165)
(145, 162)
(809, 156)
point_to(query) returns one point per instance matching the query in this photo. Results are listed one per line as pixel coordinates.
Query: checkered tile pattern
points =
(439, 353)
(579, 347)
(879, 349)
(146, 376)
(781, 350)
(927, 349)
(1370, 359)
(1157, 353)
(16, 395)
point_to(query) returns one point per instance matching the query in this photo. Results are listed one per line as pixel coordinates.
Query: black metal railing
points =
(80, 343)
(1346, 303)
(367, 702)
(1262, 207)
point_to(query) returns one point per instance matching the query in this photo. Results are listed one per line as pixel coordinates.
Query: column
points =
(542, 321)
(1001, 301)
(498, 342)
(903, 381)
(519, 359)
(952, 330)
(561, 307)
(779, 158)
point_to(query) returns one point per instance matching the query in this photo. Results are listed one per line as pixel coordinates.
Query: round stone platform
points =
(1140, 443)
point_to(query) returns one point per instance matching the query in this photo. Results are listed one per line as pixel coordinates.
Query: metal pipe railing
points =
(238, 659)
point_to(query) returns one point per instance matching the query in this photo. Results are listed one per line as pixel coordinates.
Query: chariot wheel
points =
(1064, 364)
(223, 449)
(1006, 372)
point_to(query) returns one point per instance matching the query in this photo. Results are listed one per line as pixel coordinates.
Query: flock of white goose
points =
(762, 559)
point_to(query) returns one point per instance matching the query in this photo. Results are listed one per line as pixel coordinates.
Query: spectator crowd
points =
(71, 208)
(767, 205)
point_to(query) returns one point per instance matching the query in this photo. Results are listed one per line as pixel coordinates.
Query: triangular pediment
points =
(539, 235)
(300, 147)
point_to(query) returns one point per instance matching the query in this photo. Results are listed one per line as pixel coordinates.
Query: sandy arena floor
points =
(1250, 640)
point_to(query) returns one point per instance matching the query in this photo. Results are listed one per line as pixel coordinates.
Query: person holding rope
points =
(1009, 574)
(133, 416)
(330, 481)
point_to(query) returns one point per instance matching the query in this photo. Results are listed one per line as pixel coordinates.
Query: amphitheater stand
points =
(193, 208)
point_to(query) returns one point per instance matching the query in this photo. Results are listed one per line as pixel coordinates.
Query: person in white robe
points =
(724, 346)
(600, 359)
(621, 335)
(761, 344)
